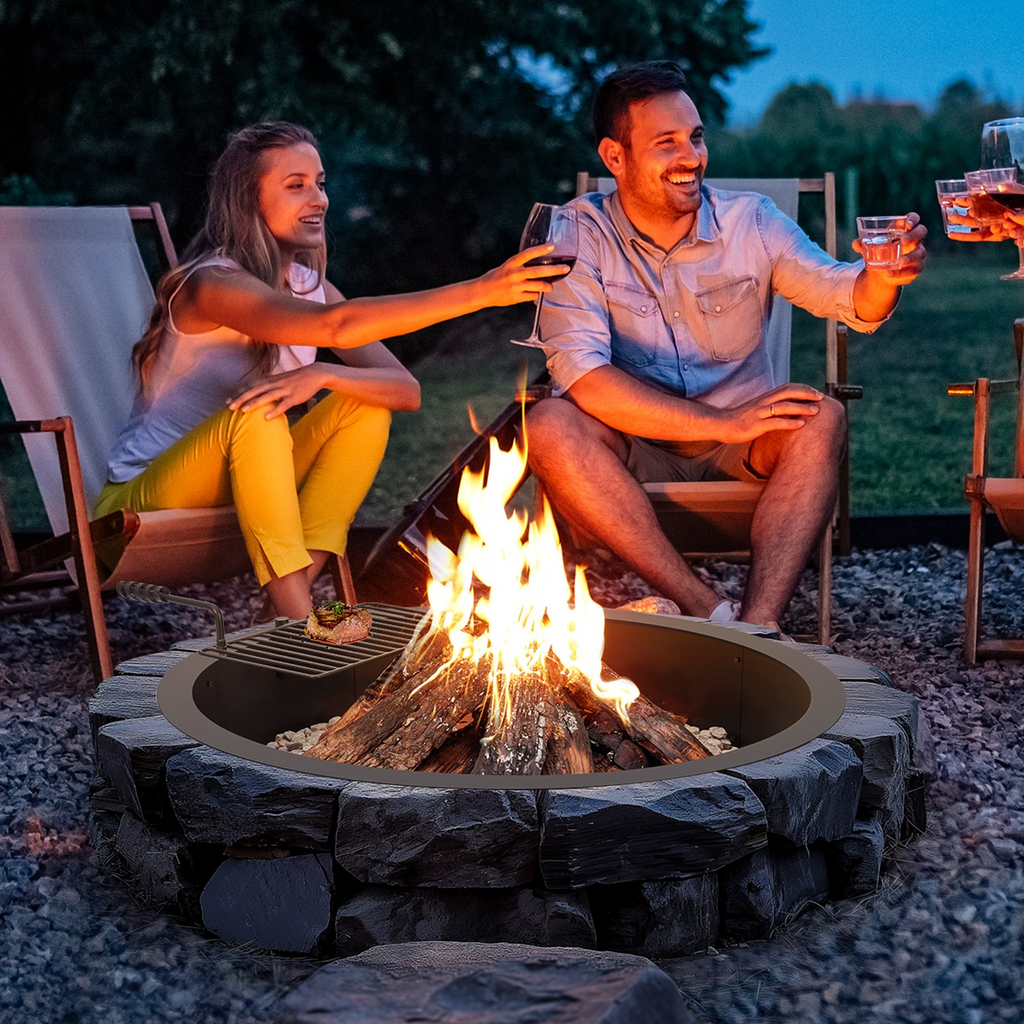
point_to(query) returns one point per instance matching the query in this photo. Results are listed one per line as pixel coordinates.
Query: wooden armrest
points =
(995, 387)
(47, 553)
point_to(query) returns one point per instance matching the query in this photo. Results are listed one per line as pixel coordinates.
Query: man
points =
(655, 343)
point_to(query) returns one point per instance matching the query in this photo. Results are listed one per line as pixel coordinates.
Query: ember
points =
(504, 674)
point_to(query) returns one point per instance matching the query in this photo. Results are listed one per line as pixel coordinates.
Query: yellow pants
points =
(296, 489)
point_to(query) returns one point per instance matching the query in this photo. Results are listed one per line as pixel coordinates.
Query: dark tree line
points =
(440, 122)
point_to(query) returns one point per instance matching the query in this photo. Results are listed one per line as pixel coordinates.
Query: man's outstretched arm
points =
(875, 291)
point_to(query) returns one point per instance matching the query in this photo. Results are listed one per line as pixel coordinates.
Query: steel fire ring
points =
(768, 694)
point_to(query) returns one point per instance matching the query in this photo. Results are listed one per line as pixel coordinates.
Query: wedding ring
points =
(771, 409)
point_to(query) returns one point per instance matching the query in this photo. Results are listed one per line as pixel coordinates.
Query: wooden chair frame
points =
(742, 497)
(1004, 495)
(35, 566)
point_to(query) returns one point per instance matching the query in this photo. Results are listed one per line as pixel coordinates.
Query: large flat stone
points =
(219, 798)
(282, 905)
(380, 915)
(132, 754)
(475, 983)
(121, 697)
(437, 837)
(809, 793)
(657, 919)
(646, 831)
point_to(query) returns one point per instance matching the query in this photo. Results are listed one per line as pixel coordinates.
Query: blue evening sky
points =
(900, 50)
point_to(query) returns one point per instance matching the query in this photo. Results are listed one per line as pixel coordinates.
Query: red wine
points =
(551, 261)
(1011, 200)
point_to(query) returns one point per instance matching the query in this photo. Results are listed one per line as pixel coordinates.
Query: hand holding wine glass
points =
(555, 226)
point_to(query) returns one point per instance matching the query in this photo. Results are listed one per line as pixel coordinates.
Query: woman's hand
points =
(514, 282)
(282, 391)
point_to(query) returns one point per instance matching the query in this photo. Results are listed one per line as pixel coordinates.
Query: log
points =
(653, 728)
(457, 756)
(415, 719)
(516, 743)
(568, 750)
(629, 756)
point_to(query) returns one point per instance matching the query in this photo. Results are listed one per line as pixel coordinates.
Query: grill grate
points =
(288, 649)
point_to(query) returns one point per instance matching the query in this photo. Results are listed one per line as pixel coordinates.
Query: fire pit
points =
(289, 853)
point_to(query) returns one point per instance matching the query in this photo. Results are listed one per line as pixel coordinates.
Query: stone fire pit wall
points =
(293, 862)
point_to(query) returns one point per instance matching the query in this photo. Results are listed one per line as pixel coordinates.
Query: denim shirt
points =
(692, 319)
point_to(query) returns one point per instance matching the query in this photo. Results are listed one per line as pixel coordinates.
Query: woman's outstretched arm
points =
(220, 297)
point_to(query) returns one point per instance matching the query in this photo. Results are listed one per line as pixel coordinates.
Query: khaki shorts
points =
(688, 461)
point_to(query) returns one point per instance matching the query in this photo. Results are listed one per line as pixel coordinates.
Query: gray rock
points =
(379, 915)
(915, 812)
(855, 863)
(499, 983)
(657, 919)
(884, 750)
(888, 702)
(647, 831)
(763, 890)
(404, 835)
(156, 664)
(219, 798)
(131, 755)
(809, 793)
(121, 697)
(282, 905)
(165, 869)
(846, 668)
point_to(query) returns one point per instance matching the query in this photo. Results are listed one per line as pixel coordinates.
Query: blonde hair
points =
(234, 228)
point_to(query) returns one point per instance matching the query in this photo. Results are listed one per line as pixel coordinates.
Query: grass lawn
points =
(910, 443)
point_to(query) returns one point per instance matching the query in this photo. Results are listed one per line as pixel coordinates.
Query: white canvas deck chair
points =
(714, 517)
(74, 298)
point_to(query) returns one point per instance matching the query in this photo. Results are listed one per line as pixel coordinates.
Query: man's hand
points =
(912, 255)
(876, 289)
(281, 391)
(783, 408)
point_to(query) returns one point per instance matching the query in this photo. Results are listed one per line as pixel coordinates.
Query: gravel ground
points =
(941, 942)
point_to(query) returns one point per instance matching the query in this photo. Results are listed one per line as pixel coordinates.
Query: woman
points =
(231, 347)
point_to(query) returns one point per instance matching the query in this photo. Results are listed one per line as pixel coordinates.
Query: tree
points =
(440, 124)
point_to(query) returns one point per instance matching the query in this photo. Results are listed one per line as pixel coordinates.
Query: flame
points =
(528, 612)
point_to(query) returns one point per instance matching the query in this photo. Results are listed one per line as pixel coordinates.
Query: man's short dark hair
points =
(632, 84)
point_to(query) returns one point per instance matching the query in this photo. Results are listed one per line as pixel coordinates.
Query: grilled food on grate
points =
(338, 623)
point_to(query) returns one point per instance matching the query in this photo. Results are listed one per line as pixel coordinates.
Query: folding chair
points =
(74, 298)
(1004, 495)
(714, 517)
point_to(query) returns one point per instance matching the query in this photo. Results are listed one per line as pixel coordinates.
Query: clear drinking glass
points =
(881, 240)
(958, 218)
(996, 191)
(549, 225)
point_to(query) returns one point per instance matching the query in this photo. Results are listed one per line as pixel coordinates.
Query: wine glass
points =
(548, 225)
(995, 191)
(1002, 143)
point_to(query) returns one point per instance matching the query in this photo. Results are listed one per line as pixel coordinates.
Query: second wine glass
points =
(548, 225)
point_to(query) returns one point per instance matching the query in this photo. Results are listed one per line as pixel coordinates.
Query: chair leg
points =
(975, 581)
(341, 575)
(825, 588)
(82, 552)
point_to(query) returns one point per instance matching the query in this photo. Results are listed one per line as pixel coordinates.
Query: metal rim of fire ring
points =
(826, 703)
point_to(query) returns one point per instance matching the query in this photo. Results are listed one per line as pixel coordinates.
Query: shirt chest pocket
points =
(730, 315)
(635, 319)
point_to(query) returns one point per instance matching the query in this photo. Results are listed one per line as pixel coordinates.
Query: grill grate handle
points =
(150, 593)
